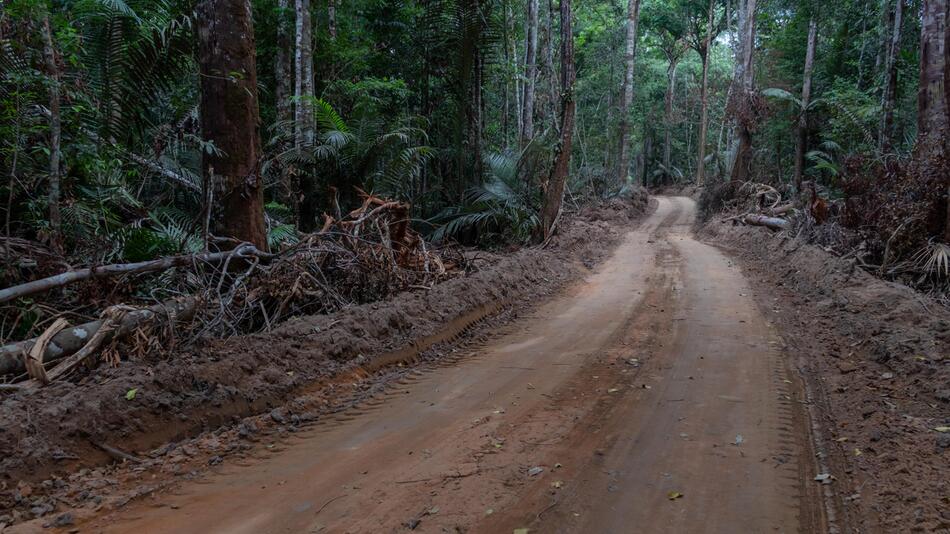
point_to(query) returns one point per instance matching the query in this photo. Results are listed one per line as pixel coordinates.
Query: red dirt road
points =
(651, 397)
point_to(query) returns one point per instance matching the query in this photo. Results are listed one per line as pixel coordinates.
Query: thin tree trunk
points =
(505, 117)
(549, 66)
(864, 45)
(229, 118)
(802, 130)
(283, 94)
(554, 192)
(11, 187)
(704, 98)
(282, 65)
(530, 71)
(331, 18)
(629, 57)
(740, 169)
(55, 135)
(647, 155)
(304, 114)
(668, 116)
(519, 100)
(889, 94)
(303, 82)
(476, 130)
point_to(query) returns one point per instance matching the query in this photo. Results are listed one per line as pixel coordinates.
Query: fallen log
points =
(71, 339)
(161, 264)
(773, 223)
(781, 210)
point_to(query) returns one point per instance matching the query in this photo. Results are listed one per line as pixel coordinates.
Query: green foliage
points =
(500, 210)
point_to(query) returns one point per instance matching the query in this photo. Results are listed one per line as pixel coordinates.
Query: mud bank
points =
(291, 375)
(876, 356)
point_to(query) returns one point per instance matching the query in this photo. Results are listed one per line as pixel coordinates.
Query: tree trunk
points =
(549, 66)
(704, 98)
(55, 135)
(519, 100)
(630, 52)
(802, 130)
(229, 118)
(744, 96)
(282, 71)
(477, 126)
(932, 116)
(303, 82)
(505, 116)
(331, 19)
(647, 156)
(889, 94)
(282, 92)
(554, 192)
(530, 71)
(668, 116)
(934, 93)
(773, 223)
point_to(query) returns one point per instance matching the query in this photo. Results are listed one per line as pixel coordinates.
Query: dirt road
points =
(651, 397)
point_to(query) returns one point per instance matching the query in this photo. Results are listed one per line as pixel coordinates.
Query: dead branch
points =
(34, 360)
(116, 453)
(69, 277)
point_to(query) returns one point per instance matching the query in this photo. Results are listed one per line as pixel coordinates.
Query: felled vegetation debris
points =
(367, 255)
(889, 221)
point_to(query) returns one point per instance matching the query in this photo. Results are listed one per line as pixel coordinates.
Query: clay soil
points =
(876, 359)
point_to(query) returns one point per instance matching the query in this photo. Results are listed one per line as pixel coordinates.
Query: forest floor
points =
(672, 388)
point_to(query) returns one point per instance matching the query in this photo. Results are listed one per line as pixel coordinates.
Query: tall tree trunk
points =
(331, 18)
(282, 65)
(530, 71)
(704, 98)
(229, 118)
(668, 116)
(647, 156)
(304, 120)
(932, 115)
(802, 129)
(554, 192)
(732, 133)
(55, 135)
(744, 95)
(549, 66)
(889, 94)
(519, 100)
(303, 81)
(626, 101)
(505, 117)
(476, 126)
(283, 93)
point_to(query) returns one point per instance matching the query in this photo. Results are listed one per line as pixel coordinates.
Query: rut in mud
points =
(652, 394)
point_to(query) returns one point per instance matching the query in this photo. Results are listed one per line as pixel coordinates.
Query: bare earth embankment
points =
(876, 356)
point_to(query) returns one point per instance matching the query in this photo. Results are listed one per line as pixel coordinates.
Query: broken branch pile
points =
(369, 254)
(758, 205)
